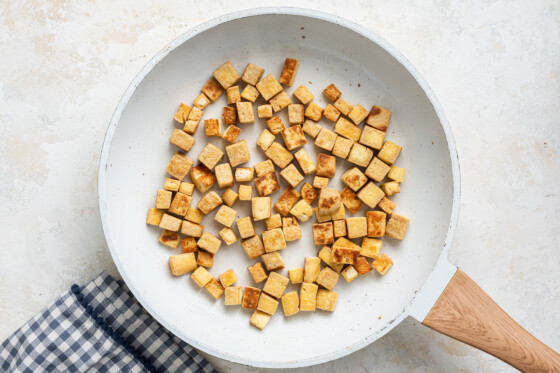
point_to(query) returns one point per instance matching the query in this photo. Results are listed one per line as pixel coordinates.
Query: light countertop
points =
(494, 65)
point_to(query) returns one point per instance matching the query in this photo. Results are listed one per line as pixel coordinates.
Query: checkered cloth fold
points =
(97, 328)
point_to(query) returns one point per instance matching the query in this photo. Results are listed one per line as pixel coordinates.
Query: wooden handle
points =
(465, 312)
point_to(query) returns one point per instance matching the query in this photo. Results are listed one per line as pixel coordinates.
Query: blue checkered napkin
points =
(97, 328)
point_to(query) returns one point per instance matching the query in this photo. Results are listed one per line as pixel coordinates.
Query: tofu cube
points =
(228, 278)
(275, 284)
(267, 304)
(327, 278)
(202, 178)
(358, 114)
(233, 295)
(379, 118)
(201, 101)
(376, 221)
(163, 199)
(225, 215)
(371, 194)
(362, 266)
(209, 243)
(261, 208)
(296, 275)
(232, 94)
(264, 111)
(245, 227)
(231, 133)
(343, 106)
(180, 204)
(308, 193)
(311, 269)
(329, 201)
(253, 247)
(386, 205)
(269, 87)
(396, 226)
(210, 156)
(172, 185)
(182, 140)
(192, 229)
(169, 238)
(182, 113)
(357, 227)
(205, 259)
(396, 174)
(321, 218)
(289, 71)
(311, 128)
(280, 101)
(252, 74)
(303, 94)
(291, 229)
(390, 188)
(245, 192)
(186, 188)
(339, 228)
(273, 261)
(274, 221)
(286, 201)
(320, 182)
(360, 155)
(354, 179)
(382, 264)
(214, 288)
(326, 165)
(273, 240)
(212, 89)
(154, 216)
(294, 137)
(182, 264)
(170, 223)
(325, 254)
(179, 166)
(295, 114)
(201, 276)
(389, 152)
(195, 114)
(191, 126)
(370, 247)
(331, 113)
(291, 175)
(267, 184)
(326, 300)
(314, 112)
(342, 147)
(305, 162)
(189, 245)
(229, 197)
(302, 211)
(209, 202)
(266, 138)
(290, 303)
(226, 75)
(377, 170)
(238, 153)
(257, 272)
(323, 233)
(228, 236)
(331, 92)
(279, 155)
(372, 138)
(244, 174)
(349, 273)
(340, 213)
(345, 251)
(275, 125)
(250, 93)
(224, 175)
(308, 297)
(325, 139)
(245, 112)
(264, 167)
(345, 128)
(259, 319)
(250, 298)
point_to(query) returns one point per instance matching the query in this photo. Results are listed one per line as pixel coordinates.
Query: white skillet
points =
(368, 70)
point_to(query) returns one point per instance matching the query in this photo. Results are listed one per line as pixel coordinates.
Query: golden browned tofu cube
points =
(182, 140)
(390, 188)
(331, 113)
(170, 223)
(280, 101)
(294, 137)
(305, 162)
(290, 303)
(354, 178)
(186, 188)
(386, 205)
(232, 94)
(257, 272)
(379, 118)
(209, 243)
(308, 297)
(345, 128)
(327, 278)
(396, 226)
(261, 208)
(343, 106)
(244, 174)
(228, 278)
(250, 93)
(182, 264)
(311, 128)
(279, 155)
(382, 264)
(267, 304)
(296, 275)
(191, 126)
(252, 74)
(245, 112)
(357, 227)
(201, 101)
(360, 155)
(342, 147)
(194, 215)
(182, 113)
(325, 254)
(326, 165)
(189, 245)
(264, 111)
(362, 266)
(345, 251)
(396, 174)
(273, 261)
(154, 216)
(275, 284)
(229, 197)
(377, 170)
(233, 295)
(228, 235)
(273, 240)
(202, 178)
(205, 259)
(372, 137)
(250, 298)
(275, 125)
(195, 114)
(259, 319)
(180, 204)
(267, 184)
(264, 141)
(286, 201)
(349, 273)
(253, 246)
(295, 114)
(238, 153)
(192, 229)
(389, 152)
(210, 156)
(314, 112)
(308, 193)
(370, 247)
(201, 276)
(224, 175)
(358, 114)
(291, 229)
(302, 211)
(320, 182)
(311, 269)
(326, 300)
(329, 201)
(209, 202)
(325, 139)
(226, 75)
(245, 227)
(339, 228)
(179, 166)
(226, 216)
(350, 200)
(331, 92)
(163, 199)
(245, 192)
(370, 194)
(172, 185)
(376, 221)
(303, 94)
(323, 233)
(214, 288)
(212, 89)
(291, 175)
(269, 87)
(231, 133)
(289, 71)
(169, 238)
(274, 221)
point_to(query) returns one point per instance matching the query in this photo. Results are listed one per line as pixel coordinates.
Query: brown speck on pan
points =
(359, 85)
(432, 143)
(310, 82)
(379, 317)
(303, 36)
(303, 28)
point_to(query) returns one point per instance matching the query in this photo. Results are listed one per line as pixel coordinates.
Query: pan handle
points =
(465, 312)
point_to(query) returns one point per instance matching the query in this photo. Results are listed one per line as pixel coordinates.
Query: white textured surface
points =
(495, 68)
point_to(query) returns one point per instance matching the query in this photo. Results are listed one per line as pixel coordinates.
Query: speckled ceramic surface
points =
(493, 66)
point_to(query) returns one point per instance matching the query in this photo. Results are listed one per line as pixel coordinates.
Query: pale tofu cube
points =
(357, 227)
(331, 113)
(377, 170)
(327, 278)
(349, 273)
(209, 243)
(225, 215)
(305, 162)
(275, 125)
(267, 184)
(192, 229)
(228, 278)
(264, 167)
(370, 247)
(189, 245)
(274, 221)
(386, 205)
(308, 297)
(302, 211)
(389, 152)
(201, 276)
(195, 114)
(180, 204)
(311, 128)
(279, 155)
(311, 269)
(245, 192)
(210, 156)
(329, 201)
(182, 264)
(269, 87)
(182, 113)
(230, 197)
(226, 75)
(253, 247)
(202, 178)
(186, 188)
(275, 284)
(320, 182)
(201, 101)
(232, 94)
(265, 139)
(273, 261)
(371, 194)
(326, 165)
(390, 188)
(376, 222)
(343, 106)
(314, 112)
(294, 137)
(231, 133)
(396, 174)
(182, 140)
(212, 89)
(331, 92)
(379, 118)
(224, 175)
(191, 126)
(382, 264)
(264, 111)
(209, 202)
(170, 238)
(179, 166)
(244, 174)
(345, 128)
(296, 275)
(372, 138)
(290, 303)
(267, 304)
(340, 213)
(273, 240)
(280, 101)
(360, 155)
(286, 201)
(326, 300)
(245, 227)
(250, 93)
(339, 228)
(354, 179)
(170, 223)
(238, 153)
(345, 251)
(396, 226)
(205, 259)
(295, 114)
(323, 233)
(309, 193)
(321, 218)
(154, 216)
(326, 256)
(259, 319)
(245, 112)
(163, 199)
(358, 114)
(228, 236)
(291, 229)
(233, 295)
(261, 208)
(257, 272)
(303, 94)
(289, 71)
(250, 298)
(342, 147)
(291, 175)
(325, 139)
(172, 185)
(252, 74)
